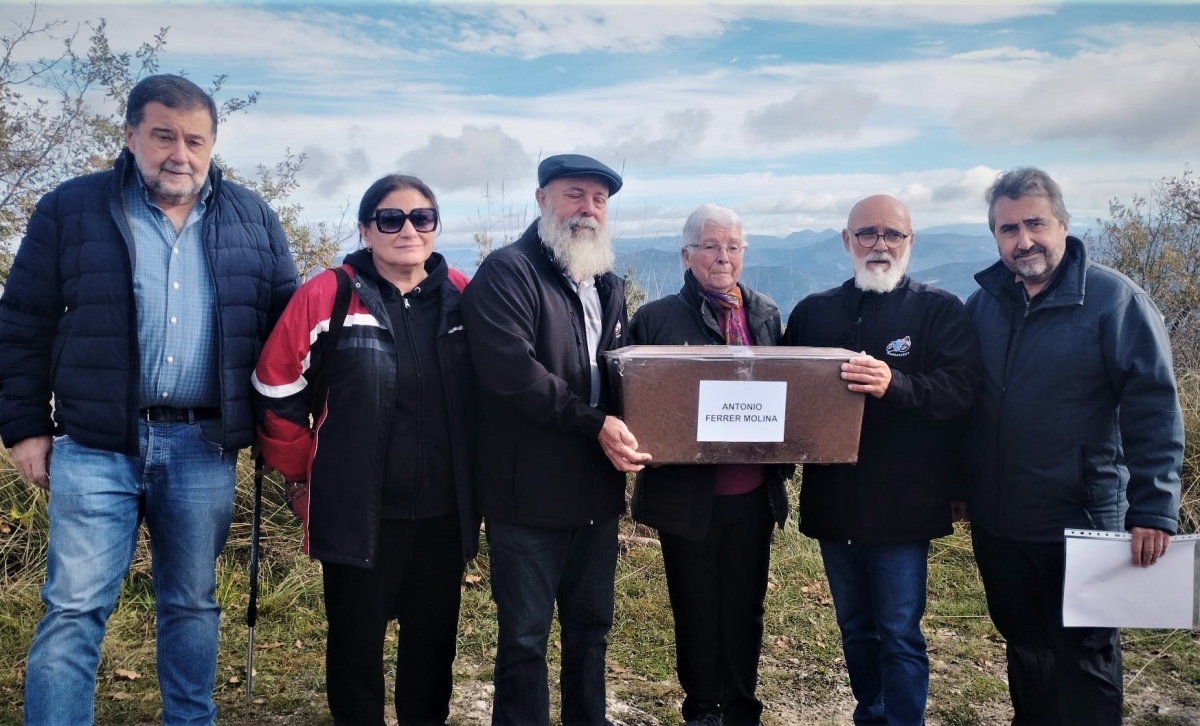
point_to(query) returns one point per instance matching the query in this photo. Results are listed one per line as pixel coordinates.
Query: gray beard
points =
(875, 280)
(584, 250)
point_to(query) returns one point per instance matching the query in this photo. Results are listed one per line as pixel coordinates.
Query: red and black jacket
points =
(343, 456)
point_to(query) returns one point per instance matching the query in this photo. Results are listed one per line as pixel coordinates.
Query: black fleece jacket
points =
(900, 489)
(541, 464)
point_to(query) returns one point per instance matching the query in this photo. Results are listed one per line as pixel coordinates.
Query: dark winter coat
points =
(68, 321)
(675, 498)
(344, 459)
(1078, 422)
(541, 464)
(900, 489)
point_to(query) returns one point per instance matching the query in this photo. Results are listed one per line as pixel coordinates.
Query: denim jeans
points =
(532, 568)
(182, 487)
(879, 596)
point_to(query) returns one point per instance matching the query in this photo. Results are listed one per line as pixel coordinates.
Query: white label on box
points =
(744, 411)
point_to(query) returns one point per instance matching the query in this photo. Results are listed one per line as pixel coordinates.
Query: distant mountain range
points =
(804, 262)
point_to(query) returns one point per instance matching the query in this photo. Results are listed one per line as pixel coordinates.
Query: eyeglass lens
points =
(869, 238)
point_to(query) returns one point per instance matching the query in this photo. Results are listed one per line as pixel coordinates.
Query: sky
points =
(786, 112)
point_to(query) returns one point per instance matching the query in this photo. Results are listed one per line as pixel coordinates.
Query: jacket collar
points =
(752, 302)
(436, 269)
(1067, 288)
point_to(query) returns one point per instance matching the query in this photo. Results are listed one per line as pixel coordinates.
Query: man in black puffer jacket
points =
(138, 302)
(874, 519)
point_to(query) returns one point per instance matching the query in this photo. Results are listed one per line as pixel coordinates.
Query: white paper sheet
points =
(1102, 588)
(743, 411)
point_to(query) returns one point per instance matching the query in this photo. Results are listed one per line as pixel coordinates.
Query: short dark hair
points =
(174, 92)
(385, 186)
(1025, 181)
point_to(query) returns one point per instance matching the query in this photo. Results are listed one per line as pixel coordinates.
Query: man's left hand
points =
(1148, 545)
(867, 375)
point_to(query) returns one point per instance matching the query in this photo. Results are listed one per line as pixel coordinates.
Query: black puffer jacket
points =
(68, 322)
(900, 489)
(345, 460)
(678, 499)
(541, 464)
(1078, 422)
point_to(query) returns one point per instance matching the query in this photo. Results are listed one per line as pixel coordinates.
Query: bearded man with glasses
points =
(919, 367)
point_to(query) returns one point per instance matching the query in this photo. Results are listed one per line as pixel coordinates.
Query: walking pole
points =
(252, 608)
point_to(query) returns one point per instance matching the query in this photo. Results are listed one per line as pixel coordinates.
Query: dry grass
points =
(802, 674)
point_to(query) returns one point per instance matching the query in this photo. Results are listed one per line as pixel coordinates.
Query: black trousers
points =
(717, 588)
(416, 580)
(1056, 675)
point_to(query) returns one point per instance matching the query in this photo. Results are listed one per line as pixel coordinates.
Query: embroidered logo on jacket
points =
(899, 347)
(617, 330)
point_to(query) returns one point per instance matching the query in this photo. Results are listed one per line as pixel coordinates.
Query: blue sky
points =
(789, 113)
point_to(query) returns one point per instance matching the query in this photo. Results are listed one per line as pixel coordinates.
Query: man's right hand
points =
(620, 446)
(32, 457)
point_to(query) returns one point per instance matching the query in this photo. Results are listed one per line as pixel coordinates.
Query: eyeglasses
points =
(714, 250)
(390, 221)
(869, 238)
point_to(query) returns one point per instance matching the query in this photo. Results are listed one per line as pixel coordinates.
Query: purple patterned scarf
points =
(730, 315)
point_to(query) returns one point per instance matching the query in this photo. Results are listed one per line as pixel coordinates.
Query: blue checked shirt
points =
(176, 304)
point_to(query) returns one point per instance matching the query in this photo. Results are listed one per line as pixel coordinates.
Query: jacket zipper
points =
(210, 220)
(412, 344)
(122, 222)
(1016, 336)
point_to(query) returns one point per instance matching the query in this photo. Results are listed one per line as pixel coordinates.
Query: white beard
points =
(875, 279)
(580, 244)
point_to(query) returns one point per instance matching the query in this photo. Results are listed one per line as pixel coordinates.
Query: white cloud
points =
(1140, 94)
(468, 161)
(657, 143)
(819, 110)
(903, 15)
(328, 170)
(1002, 53)
(532, 31)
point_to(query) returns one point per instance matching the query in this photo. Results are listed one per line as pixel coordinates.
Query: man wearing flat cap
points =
(539, 313)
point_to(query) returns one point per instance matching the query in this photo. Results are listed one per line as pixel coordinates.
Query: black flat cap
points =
(553, 167)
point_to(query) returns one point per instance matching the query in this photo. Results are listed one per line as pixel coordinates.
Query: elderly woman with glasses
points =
(714, 521)
(383, 473)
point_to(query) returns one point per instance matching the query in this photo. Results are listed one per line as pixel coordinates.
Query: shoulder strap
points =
(329, 345)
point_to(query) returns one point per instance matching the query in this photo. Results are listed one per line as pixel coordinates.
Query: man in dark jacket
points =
(138, 301)
(539, 313)
(919, 368)
(1077, 425)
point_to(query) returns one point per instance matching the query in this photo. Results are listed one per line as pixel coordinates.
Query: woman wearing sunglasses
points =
(385, 469)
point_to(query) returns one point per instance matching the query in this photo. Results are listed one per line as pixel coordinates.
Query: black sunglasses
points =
(390, 221)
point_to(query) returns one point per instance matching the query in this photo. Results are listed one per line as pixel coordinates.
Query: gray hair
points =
(705, 213)
(174, 92)
(1025, 181)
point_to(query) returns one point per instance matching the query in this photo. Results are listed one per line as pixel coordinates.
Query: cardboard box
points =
(737, 404)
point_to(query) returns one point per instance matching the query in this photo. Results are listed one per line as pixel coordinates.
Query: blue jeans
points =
(879, 595)
(532, 568)
(183, 489)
